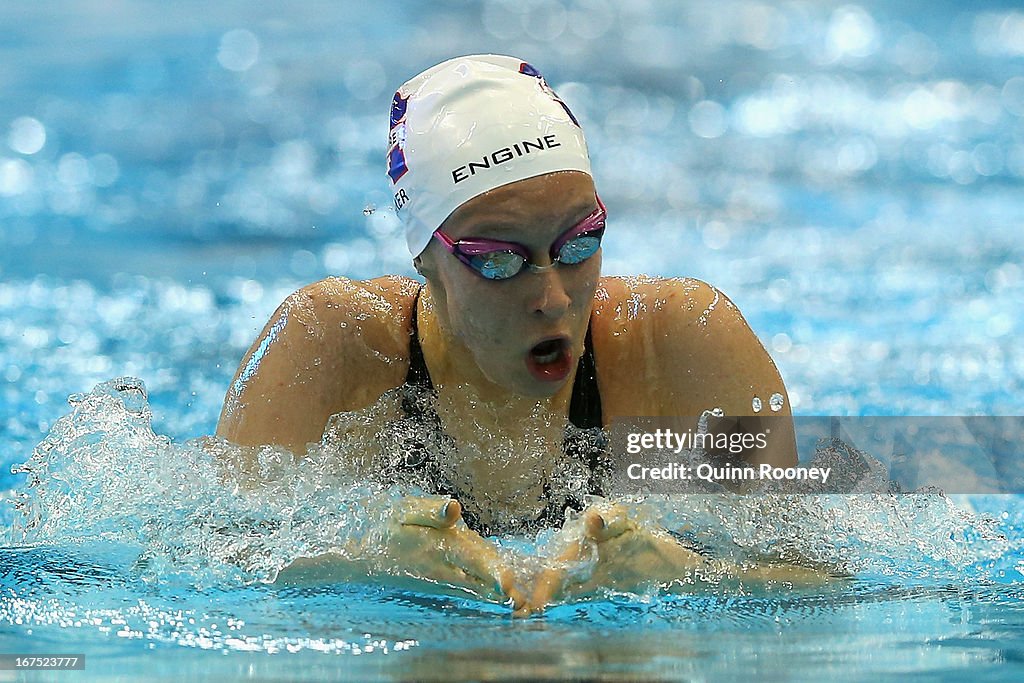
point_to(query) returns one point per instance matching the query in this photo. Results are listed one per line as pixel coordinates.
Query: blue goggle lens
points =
(579, 249)
(498, 265)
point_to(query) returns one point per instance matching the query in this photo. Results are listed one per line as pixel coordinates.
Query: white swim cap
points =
(469, 125)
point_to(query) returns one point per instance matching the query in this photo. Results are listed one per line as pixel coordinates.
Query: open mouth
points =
(550, 360)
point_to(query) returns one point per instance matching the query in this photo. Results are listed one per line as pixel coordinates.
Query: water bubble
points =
(776, 402)
(15, 177)
(915, 53)
(852, 32)
(27, 135)
(1013, 95)
(987, 159)
(756, 404)
(544, 22)
(294, 159)
(304, 263)
(591, 19)
(707, 119)
(239, 50)
(369, 209)
(73, 170)
(336, 258)
(781, 343)
(105, 170)
(760, 117)
(856, 155)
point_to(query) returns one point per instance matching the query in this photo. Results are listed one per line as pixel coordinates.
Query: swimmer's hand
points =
(627, 556)
(427, 539)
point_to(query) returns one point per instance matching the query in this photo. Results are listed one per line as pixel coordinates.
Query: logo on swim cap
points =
(396, 138)
(399, 105)
(529, 70)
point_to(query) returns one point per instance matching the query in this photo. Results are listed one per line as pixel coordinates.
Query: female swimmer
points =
(491, 178)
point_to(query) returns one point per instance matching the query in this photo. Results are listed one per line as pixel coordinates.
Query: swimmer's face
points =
(525, 334)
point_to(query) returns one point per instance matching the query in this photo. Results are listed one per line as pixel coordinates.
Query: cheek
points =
(588, 274)
(478, 316)
(495, 319)
(478, 323)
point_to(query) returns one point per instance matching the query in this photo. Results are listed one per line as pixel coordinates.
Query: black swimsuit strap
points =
(584, 406)
(418, 375)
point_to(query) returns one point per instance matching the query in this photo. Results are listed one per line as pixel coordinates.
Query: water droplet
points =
(776, 402)
(239, 50)
(369, 209)
(27, 135)
(756, 404)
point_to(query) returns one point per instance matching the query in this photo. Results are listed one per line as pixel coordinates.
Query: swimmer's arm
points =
(709, 357)
(332, 346)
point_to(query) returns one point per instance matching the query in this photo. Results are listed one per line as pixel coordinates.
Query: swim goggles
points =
(498, 260)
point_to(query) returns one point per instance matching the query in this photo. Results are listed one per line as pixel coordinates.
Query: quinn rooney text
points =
(705, 472)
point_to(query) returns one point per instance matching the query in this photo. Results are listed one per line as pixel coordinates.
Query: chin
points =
(526, 386)
(542, 389)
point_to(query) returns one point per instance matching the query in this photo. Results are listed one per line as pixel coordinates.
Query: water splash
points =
(210, 513)
(206, 509)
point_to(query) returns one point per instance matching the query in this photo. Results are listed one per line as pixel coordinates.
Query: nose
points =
(549, 298)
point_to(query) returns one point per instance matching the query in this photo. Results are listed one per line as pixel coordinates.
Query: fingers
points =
(516, 597)
(460, 556)
(606, 523)
(479, 558)
(552, 583)
(450, 513)
(437, 513)
(484, 573)
(548, 584)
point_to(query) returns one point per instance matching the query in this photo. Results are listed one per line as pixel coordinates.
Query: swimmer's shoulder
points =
(334, 345)
(364, 330)
(656, 309)
(377, 310)
(680, 343)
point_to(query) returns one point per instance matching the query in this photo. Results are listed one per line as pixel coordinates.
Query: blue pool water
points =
(849, 174)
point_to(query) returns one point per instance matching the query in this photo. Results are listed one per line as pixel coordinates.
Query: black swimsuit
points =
(585, 444)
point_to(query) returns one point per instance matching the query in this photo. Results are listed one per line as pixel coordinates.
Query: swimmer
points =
(492, 180)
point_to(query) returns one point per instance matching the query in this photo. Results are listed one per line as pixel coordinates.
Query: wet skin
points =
(478, 331)
(663, 347)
